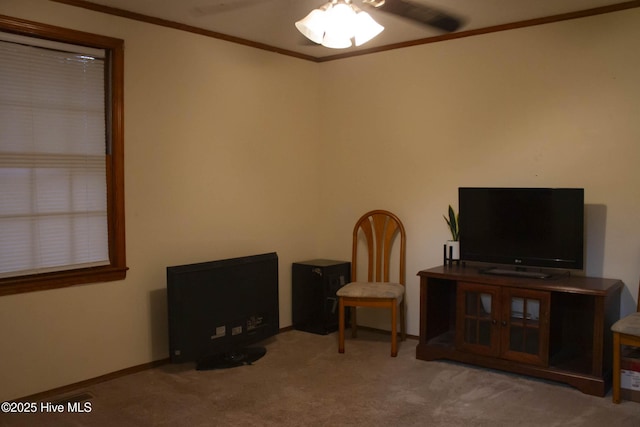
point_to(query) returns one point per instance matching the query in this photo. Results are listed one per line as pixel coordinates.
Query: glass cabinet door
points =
(525, 331)
(477, 318)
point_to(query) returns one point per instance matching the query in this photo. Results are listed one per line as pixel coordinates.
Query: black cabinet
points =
(314, 287)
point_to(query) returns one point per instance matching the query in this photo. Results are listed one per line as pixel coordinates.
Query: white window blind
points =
(53, 210)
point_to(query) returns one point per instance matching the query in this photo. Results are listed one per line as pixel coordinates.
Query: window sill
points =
(40, 282)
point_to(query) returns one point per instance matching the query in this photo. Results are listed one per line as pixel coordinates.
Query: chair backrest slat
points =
(379, 223)
(368, 231)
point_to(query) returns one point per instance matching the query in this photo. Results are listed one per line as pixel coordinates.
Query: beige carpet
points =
(303, 381)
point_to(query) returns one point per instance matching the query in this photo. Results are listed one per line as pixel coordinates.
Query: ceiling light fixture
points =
(335, 23)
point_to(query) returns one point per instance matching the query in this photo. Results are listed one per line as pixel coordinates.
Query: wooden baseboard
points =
(69, 388)
(92, 381)
(134, 369)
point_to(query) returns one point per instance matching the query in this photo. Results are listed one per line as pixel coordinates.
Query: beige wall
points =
(220, 161)
(232, 151)
(555, 105)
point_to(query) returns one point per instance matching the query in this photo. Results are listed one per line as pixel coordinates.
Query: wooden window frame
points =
(116, 269)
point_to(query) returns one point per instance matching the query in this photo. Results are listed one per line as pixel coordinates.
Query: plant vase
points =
(453, 250)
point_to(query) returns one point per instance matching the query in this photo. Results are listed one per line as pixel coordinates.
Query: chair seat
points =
(372, 290)
(629, 325)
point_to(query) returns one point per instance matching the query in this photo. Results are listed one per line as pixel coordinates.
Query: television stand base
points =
(246, 356)
(571, 339)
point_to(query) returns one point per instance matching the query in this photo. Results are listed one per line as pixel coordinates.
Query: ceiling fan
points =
(408, 9)
(340, 24)
(418, 12)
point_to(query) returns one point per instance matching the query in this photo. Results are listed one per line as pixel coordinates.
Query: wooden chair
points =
(380, 229)
(626, 331)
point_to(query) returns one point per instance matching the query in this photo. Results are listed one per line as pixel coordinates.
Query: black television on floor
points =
(218, 310)
(522, 228)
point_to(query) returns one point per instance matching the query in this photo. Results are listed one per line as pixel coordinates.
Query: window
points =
(61, 157)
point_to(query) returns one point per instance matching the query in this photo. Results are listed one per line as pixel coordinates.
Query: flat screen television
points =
(522, 227)
(219, 309)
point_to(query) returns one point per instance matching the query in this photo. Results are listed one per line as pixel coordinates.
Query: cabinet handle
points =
(494, 322)
(504, 323)
(334, 305)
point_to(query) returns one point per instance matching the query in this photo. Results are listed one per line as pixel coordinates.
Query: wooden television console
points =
(557, 328)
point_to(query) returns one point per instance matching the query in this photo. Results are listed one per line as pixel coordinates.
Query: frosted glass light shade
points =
(336, 40)
(365, 28)
(313, 25)
(336, 23)
(339, 26)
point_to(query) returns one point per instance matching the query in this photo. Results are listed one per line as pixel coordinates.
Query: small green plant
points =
(452, 222)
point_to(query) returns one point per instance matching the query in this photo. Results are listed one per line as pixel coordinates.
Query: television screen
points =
(218, 309)
(537, 227)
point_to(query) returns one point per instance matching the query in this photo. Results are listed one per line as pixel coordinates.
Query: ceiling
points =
(270, 23)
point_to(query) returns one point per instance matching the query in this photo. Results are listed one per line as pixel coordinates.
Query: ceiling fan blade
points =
(223, 6)
(418, 12)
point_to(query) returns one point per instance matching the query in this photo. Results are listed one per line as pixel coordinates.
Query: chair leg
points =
(340, 325)
(403, 322)
(394, 329)
(354, 322)
(616, 368)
